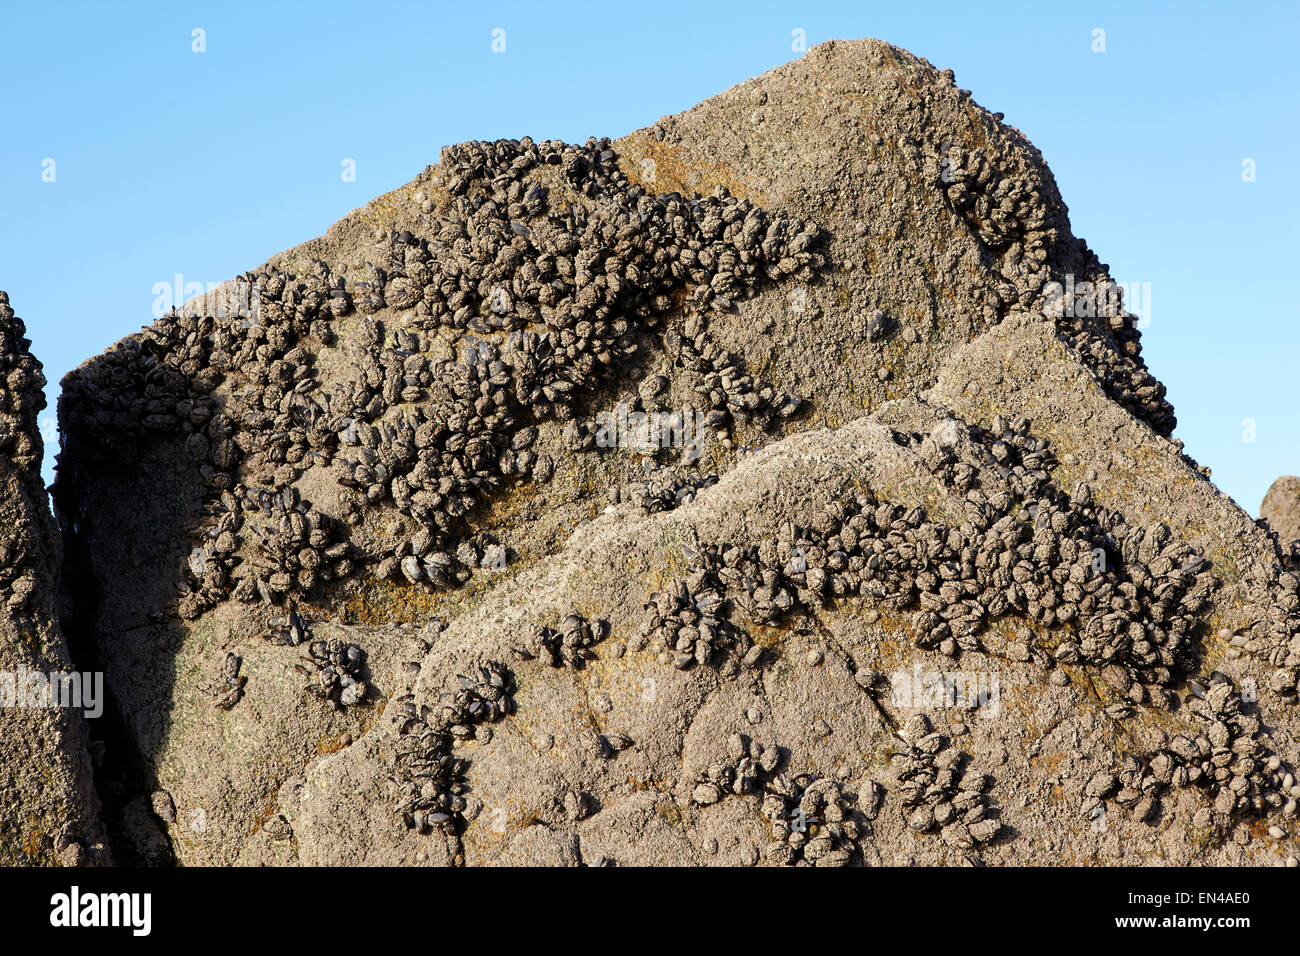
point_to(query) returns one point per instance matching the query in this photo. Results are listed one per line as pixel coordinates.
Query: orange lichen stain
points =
(398, 602)
(659, 167)
(767, 636)
(503, 511)
(268, 810)
(872, 259)
(387, 602)
(894, 649)
(644, 784)
(670, 813)
(332, 745)
(1050, 764)
(1258, 827)
(33, 838)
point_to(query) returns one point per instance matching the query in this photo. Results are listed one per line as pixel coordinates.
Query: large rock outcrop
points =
(394, 562)
(1281, 508)
(48, 809)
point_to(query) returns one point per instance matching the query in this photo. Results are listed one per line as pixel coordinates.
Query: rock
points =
(49, 810)
(409, 432)
(1281, 508)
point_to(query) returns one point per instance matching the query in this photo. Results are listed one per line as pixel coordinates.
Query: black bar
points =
(300, 906)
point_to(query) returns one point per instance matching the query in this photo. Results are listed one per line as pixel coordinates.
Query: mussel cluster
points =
(333, 669)
(1131, 595)
(938, 790)
(569, 645)
(430, 779)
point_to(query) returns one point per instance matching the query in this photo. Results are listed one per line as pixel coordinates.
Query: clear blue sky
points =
(205, 164)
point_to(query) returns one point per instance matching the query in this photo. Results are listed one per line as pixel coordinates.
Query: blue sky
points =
(168, 161)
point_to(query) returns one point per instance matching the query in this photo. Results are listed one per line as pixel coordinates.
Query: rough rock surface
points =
(1281, 508)
(392, 567)
(48, 809)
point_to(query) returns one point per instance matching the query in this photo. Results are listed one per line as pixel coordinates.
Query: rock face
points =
(1281, 508)
(48, 810)
(779, 483)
